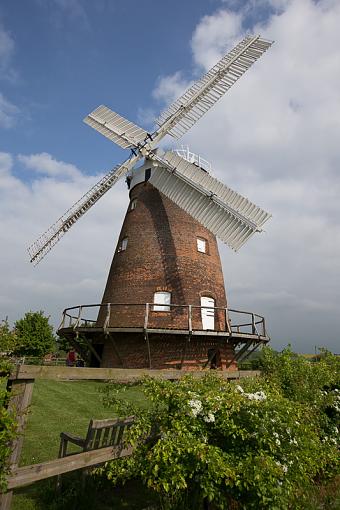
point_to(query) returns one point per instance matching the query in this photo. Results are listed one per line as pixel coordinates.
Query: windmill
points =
(164, 302)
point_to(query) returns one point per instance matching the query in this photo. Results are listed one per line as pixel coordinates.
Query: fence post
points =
(20, 400)
(146, 318)
(227, 321)
(107, 318)
(190, 318)
(78, 319)
(253, 329)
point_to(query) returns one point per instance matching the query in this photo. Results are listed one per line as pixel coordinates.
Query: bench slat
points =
(100, 434)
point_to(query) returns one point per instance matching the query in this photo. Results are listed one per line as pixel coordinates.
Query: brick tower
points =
(167, 259)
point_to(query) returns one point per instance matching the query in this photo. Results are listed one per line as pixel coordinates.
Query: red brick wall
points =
(162, 255)
(166, 351)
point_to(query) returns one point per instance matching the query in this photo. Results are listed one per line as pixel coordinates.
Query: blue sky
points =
(71, 56)
(274, 138)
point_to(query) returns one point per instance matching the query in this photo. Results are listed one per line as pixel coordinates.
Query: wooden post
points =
(20, 400)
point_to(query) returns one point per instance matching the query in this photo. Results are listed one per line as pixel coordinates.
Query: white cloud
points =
(170, 87)
(213, 34)
(45, 164)
(275, 139)
(77, 271)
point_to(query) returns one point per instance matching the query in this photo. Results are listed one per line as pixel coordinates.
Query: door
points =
(208, 312)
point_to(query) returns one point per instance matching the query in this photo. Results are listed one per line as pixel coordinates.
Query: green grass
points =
(63, 406)
(56, 407)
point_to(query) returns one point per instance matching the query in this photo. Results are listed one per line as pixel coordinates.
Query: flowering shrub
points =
(298, 378)
(210, 442)
(7, 427)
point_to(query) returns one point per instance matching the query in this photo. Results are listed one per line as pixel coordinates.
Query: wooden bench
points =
(100, 434)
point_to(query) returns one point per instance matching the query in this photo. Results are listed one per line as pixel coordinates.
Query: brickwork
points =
(161, 255)
(166, 351)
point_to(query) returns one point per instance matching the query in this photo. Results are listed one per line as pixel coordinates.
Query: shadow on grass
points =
(98, 494)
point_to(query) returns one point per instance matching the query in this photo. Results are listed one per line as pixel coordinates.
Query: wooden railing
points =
(234, 321)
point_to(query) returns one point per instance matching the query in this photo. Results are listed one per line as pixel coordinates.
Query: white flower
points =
(282, 466)
(275, 434)
(293, 441)
(196, 406)
(239, 388)
(278, 442)
(209, 418)
(259, 395)
(336, 406)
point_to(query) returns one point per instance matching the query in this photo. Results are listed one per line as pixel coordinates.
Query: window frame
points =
(133, 204)
(201, 240)
(161, 306)
(122, 246)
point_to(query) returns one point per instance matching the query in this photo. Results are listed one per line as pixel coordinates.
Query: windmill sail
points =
(46, 241)
(224, 212)
(217, 189)
(115, 127)
(179, 117)
(228, 215)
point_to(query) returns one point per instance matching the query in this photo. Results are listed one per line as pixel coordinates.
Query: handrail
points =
(74, 315)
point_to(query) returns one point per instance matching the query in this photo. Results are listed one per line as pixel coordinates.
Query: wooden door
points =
(208, 312)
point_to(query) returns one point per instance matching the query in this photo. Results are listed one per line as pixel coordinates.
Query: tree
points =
(35, 335)
(8, 339)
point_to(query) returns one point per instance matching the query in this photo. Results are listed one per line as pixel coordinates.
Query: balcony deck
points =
(246, 331)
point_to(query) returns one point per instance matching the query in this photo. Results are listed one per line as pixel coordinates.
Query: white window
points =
(123, 244)
(162, 301)
(201, 245)
(133, 204)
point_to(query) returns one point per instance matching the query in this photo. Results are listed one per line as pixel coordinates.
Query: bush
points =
(8, 339)
(7, 428)
(259, 444)
(298, 378)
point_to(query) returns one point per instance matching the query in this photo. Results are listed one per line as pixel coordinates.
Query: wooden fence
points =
(21, 384)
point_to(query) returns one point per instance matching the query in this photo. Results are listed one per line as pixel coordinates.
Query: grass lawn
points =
(56, 407)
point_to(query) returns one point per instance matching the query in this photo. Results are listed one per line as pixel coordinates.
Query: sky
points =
(274, 137)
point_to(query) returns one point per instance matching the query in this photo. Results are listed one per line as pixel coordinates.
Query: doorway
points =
(214, 359)
(208, 312)
(94, 363)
